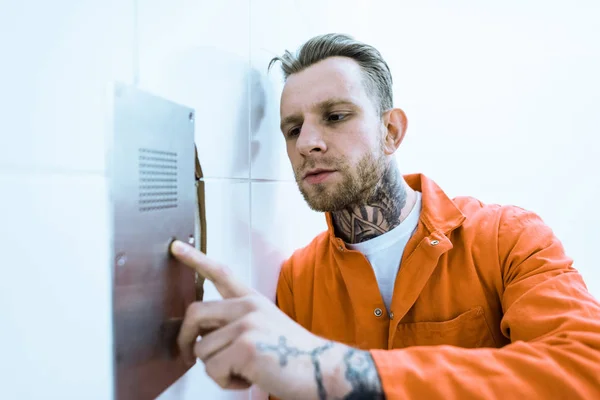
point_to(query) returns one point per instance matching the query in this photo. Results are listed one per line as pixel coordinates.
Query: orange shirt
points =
(486, 305)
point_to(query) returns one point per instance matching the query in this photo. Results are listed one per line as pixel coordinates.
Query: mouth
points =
(318, 175)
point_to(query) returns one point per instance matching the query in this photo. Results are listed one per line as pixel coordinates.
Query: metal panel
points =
(154, 201)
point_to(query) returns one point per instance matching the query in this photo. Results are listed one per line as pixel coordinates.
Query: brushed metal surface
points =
(153, 193)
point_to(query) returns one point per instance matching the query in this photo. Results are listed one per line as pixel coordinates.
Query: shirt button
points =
(435, 242)
(378, 312)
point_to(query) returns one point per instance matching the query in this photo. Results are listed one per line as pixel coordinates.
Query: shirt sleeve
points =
(552, 320)
(284, 299)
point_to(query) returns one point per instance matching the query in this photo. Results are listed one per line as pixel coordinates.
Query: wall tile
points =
(55, 293)
(281, 223)
(228, 227)
(197, 53)
(58, 61)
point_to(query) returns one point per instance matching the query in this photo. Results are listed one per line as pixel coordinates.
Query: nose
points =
(310, 140)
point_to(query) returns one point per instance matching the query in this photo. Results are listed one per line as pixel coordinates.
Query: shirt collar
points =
(438, 213)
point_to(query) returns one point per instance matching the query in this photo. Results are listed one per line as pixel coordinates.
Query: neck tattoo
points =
(378, 215)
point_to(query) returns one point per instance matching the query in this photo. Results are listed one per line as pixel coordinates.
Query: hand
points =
(246, 339)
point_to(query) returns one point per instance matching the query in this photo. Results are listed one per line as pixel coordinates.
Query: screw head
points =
(121, 260)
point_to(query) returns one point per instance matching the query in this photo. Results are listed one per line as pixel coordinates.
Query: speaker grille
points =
(158, 180)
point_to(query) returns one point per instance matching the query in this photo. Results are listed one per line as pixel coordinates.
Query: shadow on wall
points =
(237, 110)
(266, 256)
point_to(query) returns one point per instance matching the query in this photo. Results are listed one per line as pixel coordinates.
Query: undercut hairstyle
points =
(378, 78)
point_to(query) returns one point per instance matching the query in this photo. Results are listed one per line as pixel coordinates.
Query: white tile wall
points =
(269, 159)
(281, 223)
(197, 53)
(286, 24)
(55, 291)
(228, 227)
(57, 59)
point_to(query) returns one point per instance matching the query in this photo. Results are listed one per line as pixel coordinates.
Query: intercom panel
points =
(153, 197)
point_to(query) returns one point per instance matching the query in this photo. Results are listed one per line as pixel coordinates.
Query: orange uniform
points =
(486, 305)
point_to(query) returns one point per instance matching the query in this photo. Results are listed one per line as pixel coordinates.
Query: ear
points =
(395, 123)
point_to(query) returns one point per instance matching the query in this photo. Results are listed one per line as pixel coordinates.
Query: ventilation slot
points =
(158, 180)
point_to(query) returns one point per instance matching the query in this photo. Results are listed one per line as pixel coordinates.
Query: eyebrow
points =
(330, 103)
(322, 106)
(289, 120)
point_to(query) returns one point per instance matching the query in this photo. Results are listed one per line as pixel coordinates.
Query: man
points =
(408, 294)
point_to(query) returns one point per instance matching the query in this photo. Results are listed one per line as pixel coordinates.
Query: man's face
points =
(334, 134)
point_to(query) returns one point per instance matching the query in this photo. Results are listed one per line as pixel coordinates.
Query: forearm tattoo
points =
(362, 375)
(361, 372)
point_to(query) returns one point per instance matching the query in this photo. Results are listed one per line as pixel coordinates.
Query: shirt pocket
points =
(468, 330)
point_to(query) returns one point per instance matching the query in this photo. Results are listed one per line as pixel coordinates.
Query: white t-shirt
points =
(385, 251)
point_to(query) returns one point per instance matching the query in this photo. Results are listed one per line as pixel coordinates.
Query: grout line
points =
(52, 170)
(249, 102)
(8, 169)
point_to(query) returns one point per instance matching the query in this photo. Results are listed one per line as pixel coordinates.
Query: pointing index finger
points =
(224, 281)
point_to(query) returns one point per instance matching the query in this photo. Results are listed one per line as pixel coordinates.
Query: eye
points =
(295, 131)
(336, 117)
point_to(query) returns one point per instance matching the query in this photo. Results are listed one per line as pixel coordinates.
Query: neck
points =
(382, 212)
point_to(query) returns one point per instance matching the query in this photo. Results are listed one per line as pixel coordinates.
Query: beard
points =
(358, 183)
